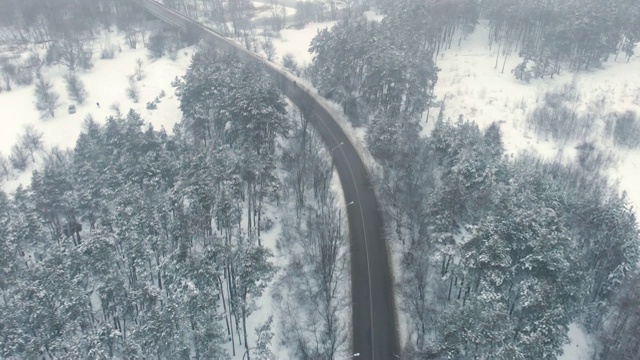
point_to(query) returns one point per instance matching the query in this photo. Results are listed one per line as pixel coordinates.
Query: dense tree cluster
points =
(45, 20)
(227, 103)
(430, 24)
(364, 68)
(311, 293)
(133, 243)
(619, 338)
(240, 13)
(219, 13)
(548, 34)
(499, 256)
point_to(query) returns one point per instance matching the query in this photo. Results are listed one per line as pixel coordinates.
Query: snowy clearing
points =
(580, 348)
(297, 41)
(473, 88)
(106, 84)
(265, 10)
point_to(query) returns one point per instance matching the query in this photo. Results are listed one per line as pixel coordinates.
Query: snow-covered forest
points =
(147, 244)
(496, 255)
(160, 199)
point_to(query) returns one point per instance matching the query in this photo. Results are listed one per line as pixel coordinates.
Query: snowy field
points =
(265, 10)
(467, 80)
(106, 84)
(297, 41)
(473, 88)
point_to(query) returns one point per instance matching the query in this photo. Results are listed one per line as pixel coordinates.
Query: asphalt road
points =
(374, 333)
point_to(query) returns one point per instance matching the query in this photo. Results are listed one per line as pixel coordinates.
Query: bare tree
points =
(269, 49)
(31, 140)
(73, 53)
(311, 295)
(289, 62)
(133, 92)
(139, 74)
(8, 73)
(278, 16)
(241, 13)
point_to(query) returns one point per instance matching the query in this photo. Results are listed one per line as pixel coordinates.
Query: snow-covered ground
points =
(265, 302)
(297, 41)
(106, 84)
(264, 10)
(473, 87)
(580, 347)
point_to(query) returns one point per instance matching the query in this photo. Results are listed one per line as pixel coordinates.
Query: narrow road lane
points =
(374, 334)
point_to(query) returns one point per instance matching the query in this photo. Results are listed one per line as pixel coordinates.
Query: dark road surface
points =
(374, 334)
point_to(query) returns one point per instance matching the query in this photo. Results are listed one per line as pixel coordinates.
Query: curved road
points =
(374, 334)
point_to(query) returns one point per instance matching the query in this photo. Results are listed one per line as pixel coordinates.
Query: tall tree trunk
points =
(249, 196)
(244, 325)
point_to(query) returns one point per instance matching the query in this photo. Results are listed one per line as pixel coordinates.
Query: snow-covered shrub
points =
(269, 49)
(151, 105)
(624, 129)
(593, 159)
(556, 118)
(34, 61)
(5, 168)
(24, 76)
(108, 52)
(266, 223)
(8, 70)
(19, 158)
(523, 71)
(162, 94)
(115, 107)
(84, 57)
(289, 63)
(132, 37)
(133, 92)
(559, 123)
(157, 45)
(139, 73)
(568, 93)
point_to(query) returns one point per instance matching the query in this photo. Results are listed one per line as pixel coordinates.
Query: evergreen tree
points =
(75, 88)
(47, 100)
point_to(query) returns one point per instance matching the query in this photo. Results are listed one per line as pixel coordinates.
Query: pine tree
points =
(47, 100)
(75, 88)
